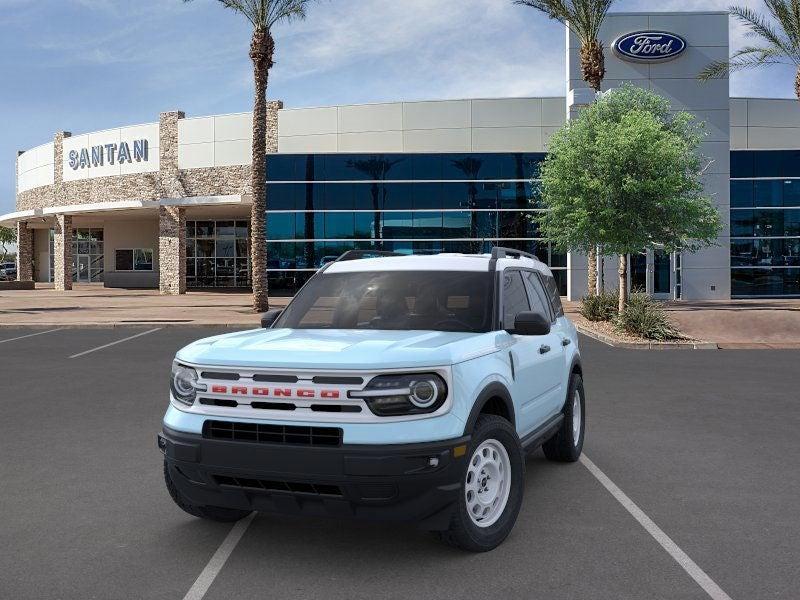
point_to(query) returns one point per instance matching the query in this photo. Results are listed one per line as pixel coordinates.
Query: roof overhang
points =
(13, 218)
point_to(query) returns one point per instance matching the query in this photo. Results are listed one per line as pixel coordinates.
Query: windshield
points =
(405, 300)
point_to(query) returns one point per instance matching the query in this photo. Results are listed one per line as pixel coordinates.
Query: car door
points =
(533, 359)
(557, 365)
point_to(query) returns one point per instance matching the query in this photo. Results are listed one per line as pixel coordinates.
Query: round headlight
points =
(184, 383)
(423, 393)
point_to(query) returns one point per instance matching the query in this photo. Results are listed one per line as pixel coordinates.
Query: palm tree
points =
(263, 15)
(779, 41)
(584, 19)
(471, 167)
(376, 168)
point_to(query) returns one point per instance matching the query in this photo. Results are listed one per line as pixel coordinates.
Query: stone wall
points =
(62, 251)
(172, 250)
(24, 252)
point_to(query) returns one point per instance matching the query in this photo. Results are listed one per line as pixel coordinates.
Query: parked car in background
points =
(8, 271)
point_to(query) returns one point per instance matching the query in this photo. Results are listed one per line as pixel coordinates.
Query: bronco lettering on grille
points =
(240, 390)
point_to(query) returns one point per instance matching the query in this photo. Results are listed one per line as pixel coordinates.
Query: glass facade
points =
(765, 223)
(321, 205)
(217, 254)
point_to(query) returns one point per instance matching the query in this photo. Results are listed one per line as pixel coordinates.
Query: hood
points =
(337, 349)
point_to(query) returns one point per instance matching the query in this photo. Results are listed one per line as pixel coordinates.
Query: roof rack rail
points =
(500, 252)
(358, 254)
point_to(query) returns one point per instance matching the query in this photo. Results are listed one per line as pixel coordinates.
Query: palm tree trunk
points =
(593, 67)
(376, 217)
(261, 51)
(797, 84)
(593, 70)
(601, 277)
(623, 282)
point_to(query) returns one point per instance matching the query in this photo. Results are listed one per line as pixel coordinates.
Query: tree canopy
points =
(7, 237)
(626, 174)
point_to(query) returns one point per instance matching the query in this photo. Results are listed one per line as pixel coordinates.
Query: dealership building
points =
(167, 204)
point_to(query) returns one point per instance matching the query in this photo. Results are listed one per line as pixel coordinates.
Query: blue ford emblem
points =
(649, 46)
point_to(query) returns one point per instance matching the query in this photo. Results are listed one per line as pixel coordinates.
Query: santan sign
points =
(97, 156)
(649, 46)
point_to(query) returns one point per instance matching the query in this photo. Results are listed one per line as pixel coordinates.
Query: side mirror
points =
(530, 323)
(269, 317)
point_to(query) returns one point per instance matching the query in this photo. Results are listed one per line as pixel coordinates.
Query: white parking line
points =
(214, 566)
(22, 337)
(115, 343)
(688, 565)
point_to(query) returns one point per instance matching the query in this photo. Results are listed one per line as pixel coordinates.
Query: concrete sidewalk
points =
(93, 305)
(736, 324)
(740, 323)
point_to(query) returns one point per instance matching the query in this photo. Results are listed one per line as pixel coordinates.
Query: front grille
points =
(317, 489)
(273, 434)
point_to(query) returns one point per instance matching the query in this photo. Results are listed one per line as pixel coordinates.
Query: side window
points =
(555, 298)
(539, 301)
(515, 299)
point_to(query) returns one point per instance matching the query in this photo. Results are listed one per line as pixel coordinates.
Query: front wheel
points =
(491, 490)
(567, 443)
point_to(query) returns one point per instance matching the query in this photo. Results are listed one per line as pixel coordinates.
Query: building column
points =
(24, 252)
(62, 253)
(171, 250)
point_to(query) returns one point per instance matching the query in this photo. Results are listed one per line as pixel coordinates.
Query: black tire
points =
(563, 447)
(463, 533)
(212, 513)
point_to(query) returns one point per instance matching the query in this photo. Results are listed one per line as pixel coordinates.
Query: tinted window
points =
(555, 297)
(515, 299)
(538, 297)
(742, 164)
(404, 300)
(741, 194)
(124, 260)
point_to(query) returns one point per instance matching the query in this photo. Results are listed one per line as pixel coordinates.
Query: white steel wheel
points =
(488, 483)
(576, 417)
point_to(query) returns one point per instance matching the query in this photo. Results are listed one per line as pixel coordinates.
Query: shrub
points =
(601, 307)
(646, 318)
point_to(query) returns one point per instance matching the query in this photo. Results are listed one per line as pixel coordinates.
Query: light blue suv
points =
(396, 387)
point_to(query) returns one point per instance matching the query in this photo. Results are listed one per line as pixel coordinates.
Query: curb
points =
(600, 337)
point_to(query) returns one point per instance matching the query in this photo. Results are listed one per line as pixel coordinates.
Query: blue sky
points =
(84, 65)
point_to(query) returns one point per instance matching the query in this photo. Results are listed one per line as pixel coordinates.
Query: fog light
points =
(433, 462)
(162, 443)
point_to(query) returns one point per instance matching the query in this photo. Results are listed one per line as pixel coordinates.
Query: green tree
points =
(778, 37)
(627, 174)
(584, 19)
(7, 236)
(263, 15)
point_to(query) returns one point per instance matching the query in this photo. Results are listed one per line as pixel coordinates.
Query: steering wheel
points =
(454, 320)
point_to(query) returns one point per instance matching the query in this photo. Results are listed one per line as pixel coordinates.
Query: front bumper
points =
(406, 482)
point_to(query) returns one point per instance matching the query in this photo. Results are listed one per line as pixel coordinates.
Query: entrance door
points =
(638, 272)
(650, 272)
(83, 268)
(662, 270)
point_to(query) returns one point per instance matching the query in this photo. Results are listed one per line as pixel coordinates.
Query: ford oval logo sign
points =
(649, 46)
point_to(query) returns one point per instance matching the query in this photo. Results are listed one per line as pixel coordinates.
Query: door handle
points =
(566, 342)
(544, 349)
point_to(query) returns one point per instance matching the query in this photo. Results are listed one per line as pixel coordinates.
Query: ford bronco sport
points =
(397, 387)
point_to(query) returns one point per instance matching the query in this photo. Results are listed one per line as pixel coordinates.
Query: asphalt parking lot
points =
(705, 443)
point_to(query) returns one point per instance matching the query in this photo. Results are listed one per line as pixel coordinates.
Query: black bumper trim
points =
(401, 482)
